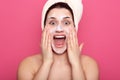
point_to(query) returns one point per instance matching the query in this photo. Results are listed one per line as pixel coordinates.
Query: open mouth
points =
(59, 37)
(59, 40)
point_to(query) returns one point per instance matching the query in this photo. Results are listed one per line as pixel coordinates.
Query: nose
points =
(59, 28)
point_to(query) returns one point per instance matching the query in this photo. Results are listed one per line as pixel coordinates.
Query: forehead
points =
(59, 13)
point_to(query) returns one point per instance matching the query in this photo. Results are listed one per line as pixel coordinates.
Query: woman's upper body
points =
(61, 57)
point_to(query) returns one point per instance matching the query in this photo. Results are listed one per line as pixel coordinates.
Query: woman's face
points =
(59, 22)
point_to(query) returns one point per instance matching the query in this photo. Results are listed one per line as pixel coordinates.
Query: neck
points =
(61, 58)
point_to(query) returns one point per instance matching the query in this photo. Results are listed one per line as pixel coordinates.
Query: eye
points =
(53, 23)
(66, 22)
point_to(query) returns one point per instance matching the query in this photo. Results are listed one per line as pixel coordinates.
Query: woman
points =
(60, 58)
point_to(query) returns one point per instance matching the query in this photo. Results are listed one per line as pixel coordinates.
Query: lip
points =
(59, 36)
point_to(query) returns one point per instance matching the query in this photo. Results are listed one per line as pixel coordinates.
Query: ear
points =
(81, 47)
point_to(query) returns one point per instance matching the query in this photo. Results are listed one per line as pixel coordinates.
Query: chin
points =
(59, 50)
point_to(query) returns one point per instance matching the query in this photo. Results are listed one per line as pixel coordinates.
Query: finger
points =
(43, 37)
(49, 41)
(69, 45)
(81, 47)
(68, 41)
(75, 37)
(47, 38)
(71, 40)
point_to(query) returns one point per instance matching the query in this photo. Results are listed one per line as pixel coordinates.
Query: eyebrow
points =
(66, 17)
(51, 18)
(55, 18)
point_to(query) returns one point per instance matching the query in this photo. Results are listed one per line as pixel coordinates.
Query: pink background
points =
(20, 34)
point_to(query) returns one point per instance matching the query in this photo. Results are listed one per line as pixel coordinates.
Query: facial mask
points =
(77, 8)
(75, 5)
(55, 49)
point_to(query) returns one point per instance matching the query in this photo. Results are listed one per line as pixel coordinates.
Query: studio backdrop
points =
(20, 34)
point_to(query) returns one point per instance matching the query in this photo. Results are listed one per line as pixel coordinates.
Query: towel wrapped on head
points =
(75, 5)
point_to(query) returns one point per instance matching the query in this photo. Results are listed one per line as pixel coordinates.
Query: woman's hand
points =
(46, 46)
(74, 56)
(73, 48)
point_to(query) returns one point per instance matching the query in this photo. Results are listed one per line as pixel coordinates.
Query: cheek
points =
(52, 30)
(67, 30)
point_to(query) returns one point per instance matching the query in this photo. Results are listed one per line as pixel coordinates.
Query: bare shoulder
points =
(90, 67)
(29, 66)
(87, 60)
(30, 60)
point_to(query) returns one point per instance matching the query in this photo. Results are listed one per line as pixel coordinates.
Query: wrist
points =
(75, 63)
(49, 62)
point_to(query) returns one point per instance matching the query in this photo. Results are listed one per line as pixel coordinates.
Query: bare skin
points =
(59, 70)
(71, 65)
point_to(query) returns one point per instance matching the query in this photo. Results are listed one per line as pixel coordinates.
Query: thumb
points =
(81, 47)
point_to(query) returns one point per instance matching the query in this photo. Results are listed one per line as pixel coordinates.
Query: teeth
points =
(59, 36)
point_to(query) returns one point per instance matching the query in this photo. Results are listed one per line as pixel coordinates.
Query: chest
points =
(60, 72)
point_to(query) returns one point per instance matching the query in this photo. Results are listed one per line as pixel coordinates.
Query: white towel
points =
(75, 5)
